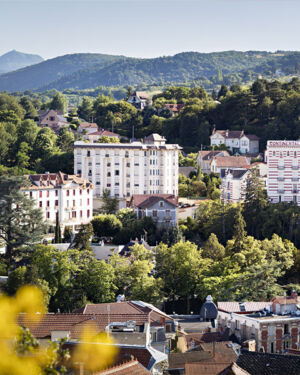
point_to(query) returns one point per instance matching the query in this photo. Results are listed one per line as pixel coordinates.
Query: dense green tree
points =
(85, 109)
(20, 222)
(65, 140)
(213, 249)
(59, 102)
(57, 232)
(109, 204)
(106, 225)
(82, 239)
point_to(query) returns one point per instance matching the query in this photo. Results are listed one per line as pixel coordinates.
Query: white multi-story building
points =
(236, 140)
(148, 167)
(68, 196)
(283, 171)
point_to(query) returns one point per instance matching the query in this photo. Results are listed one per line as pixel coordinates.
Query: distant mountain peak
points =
(13, 60)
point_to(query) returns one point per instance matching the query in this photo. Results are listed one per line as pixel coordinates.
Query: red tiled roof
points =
(74, 323)
(54, 180)
(206, 155)
(230, 133)
(235, 307)
(286, 300)
(132, 367)
(205, 368)
(148, 200)
(203, 337)
(232, 162)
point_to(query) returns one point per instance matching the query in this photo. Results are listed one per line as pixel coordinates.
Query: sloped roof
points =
(142, 94)
(54, 180)
(257, 363)
(154, 137)
(236, 173)
(286, 300)
(75, 322)
(86, 125)
(252, 137)
(132, 367)
(200, 337)
(174, 107)
(207, 155)
(206, 368)
(247, 307)
(148, 200)
(230, 133)
(231, 161)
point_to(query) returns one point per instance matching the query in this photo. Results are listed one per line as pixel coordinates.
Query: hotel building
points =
(68, 196)
(148, 167)
(283, 171)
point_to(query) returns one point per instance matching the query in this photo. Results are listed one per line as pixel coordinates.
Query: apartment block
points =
(283, 171)
(148, 167)
(68, 196)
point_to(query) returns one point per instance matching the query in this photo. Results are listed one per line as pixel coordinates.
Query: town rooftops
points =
(287, 300)
(203, 368)
(243, 307)
(143, 201)
(257, 363)
(54, 180)
(231, 162)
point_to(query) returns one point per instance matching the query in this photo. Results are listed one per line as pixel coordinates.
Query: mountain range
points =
(14, 60)
(86, 70)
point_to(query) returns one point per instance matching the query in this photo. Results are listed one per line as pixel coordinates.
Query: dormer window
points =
(161, 204)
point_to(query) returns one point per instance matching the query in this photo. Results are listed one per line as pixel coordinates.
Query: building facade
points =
(204, 159)
(68, 196)
(139, 99)
(283, 171)
(236, 140)
(148, 167)
(233, 185)
(162, 208)
(52, 119)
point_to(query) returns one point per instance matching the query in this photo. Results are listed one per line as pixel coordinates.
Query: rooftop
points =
(231, 162)
(132, 367)
(147, 200)
(243, 307)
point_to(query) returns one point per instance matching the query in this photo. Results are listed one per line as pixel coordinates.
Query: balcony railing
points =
(280, 191)
(295, 191)
(295, 179)
(295, 167)
(280, 178)
(280, 167)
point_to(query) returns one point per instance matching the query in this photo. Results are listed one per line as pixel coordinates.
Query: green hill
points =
(82, 71)
(14, 60)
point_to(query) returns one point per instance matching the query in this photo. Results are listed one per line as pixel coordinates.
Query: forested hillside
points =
(83, 71)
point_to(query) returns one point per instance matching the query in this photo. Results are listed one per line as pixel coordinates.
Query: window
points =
(295, 198)
(97, 182)
(117, 184)
(47, 194)
(128, 185)
(73, 203)
(108, 185)
(80, 192)
(107, 155)
(88, 213)
(48, 203)
(80, 213)
(108, 164)
(154, 213)
(161, 204)
(56, 193)
(88, 191)
(128, 165)
(56, 203)
(41, 204)
(117, 173)
(88, 201)
(108, 174)
(68, 193)
(74, 191)
(89, 153)
(30, 194)
(295, 154)
(74, 214)
(48, 215)
(286, 329)
(40, 194)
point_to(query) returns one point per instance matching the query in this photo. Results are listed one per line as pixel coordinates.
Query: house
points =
(131, 367)
(283, 160)
(148, 167)
(87, 127)
(274, 328)
(218, 164)
(95, 136)
(204, 159)
(158, 327)
(162, 208)
(68, 196)
(176, 108)
(52, 119)
(235, 140)
(139, 99)
(233, 184)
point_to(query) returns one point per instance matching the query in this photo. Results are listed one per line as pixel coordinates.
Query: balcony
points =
(295, 191)
(295, 167)
(295, 179)
(280, 167)
(280, 178)
(280, 191)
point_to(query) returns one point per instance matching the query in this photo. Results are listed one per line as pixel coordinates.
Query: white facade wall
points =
(127, 169)
(283, 159)
(73, 204)
(233, 188)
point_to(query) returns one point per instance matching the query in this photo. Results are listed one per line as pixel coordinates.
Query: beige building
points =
(148, 167)
(204, 159)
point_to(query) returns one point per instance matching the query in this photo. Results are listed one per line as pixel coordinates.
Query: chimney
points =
(227, 132)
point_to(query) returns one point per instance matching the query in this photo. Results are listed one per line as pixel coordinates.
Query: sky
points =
(144, 28)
